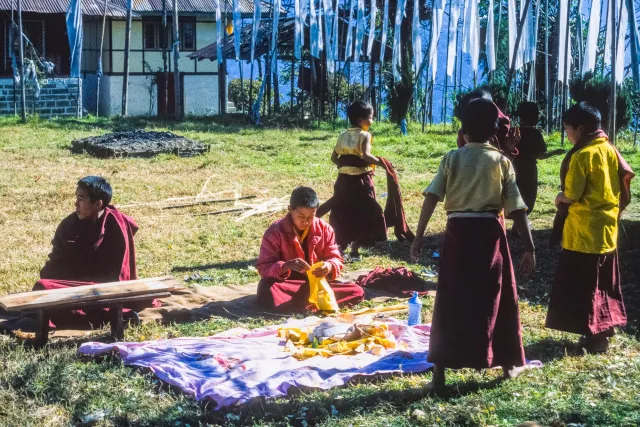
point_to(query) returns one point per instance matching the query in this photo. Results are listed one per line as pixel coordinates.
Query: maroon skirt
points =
(476, 321)
(586, 297)
(292, 295)
(356, 216)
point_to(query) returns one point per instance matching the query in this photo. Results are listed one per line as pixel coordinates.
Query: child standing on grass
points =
(356, 216)
(531, 148)
(586, 297)
(476, 322)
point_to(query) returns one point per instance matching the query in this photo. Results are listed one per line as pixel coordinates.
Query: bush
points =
(596, 91)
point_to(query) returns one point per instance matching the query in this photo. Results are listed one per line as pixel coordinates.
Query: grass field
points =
(55, 387)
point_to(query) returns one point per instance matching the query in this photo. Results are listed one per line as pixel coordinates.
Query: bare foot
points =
(512, 372)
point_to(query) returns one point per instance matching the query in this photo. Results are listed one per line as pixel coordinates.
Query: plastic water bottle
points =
(415, 310)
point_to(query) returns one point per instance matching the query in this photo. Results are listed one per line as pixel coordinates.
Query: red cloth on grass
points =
(396, 280)
(394, 211)
(476, 321)
(286, 291)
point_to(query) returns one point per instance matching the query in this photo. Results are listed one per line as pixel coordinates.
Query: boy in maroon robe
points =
(476, 322)
(290, 247)
(92, 245)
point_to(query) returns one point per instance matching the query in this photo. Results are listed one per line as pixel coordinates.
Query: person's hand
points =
(323, 271)
(513, 138)
(559, 199)
(298, 265)
(416, 248)
(528, 263)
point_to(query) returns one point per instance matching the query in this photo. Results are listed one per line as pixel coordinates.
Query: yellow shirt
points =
(592, 182)
(476, 178)
(351, 142)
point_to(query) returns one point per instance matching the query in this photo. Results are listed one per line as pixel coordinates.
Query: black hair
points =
(359, 109)
(529, 113)
(585, 115)
(98, 189)
(480, 120)
(304, 197)
(464, 100)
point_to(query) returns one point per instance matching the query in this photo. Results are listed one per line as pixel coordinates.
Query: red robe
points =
(85, 253)
(287, 291)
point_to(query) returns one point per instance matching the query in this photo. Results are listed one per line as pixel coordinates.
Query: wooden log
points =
(60, 297)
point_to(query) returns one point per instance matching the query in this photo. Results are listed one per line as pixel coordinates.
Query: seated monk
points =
(92, 245)
(289, 247)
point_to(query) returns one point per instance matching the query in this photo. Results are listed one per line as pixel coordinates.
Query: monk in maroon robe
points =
(290, 247)
(92, 245)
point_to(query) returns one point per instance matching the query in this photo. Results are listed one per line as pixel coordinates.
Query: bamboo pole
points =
(546, 65)
(565, 84)
(523, 16)
(579, 40)
(446, 78)
(104, 24)
(165, 62)
(612, 104)
(127, 53)
(635, 64)
(23, 91)
(427, 80)
(176, 63)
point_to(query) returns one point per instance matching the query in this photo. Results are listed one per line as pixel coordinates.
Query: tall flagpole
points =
(99, 74)
(23, 90)
(546, 64)
(612, 102)
(127, 51)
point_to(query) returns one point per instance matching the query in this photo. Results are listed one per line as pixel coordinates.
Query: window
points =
(152, 35)
(187, 36)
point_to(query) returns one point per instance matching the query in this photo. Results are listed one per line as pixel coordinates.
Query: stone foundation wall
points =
(58, 98)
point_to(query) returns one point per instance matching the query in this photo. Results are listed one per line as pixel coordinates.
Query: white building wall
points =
(142, 99)
(201, 95)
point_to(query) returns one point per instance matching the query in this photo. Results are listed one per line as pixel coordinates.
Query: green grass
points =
(54, 386)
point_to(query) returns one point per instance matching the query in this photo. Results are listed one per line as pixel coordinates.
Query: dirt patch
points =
(137, 143)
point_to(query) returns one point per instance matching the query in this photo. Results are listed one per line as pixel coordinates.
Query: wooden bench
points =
(105, 295)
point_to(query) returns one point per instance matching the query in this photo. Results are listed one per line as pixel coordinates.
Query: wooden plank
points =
(112, 301)
(56, 297)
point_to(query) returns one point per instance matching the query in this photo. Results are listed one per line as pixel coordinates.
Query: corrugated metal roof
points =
(118, 8)
(89, 7)
(193, 6)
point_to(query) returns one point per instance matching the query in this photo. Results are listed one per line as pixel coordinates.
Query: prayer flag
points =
(623, 26)
(416, 40)
(297, 31)
(313, 29)
(220, 29)
(359, 31)
(473, 41)
(349, 44)
(513, 29)
(453, 31)
(237, 27)
(491, 44)
(385, 29)
(328, 29)
(372, 26)
(436, 26)
(74, 32)
(562, 41)
(319, 27)
(396, 60)
(591, 49)
(277, 5)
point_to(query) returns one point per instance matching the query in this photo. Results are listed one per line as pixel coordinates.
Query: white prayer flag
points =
(623, 26)
(360, 24)
(385, 29)
(453, 31)
(491, 44)
(349, 43)
(297, 31)
(372, 27)
(436, 27)
(396, 60)
(416, 40)
(562, 41)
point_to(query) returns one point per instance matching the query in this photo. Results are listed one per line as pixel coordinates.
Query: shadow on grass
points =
(230, 265)
(548, 350)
